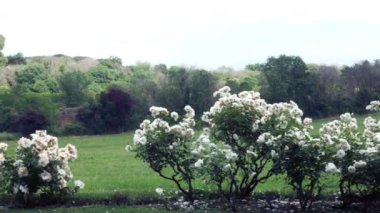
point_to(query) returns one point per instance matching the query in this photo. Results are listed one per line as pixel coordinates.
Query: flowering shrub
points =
(303, 163)
(245, 141)
(39, 166)
(354, 156)
(164, 141)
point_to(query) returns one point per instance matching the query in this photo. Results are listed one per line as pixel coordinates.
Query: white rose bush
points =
(249, 140)
(353, 155)
(245, 142)
(39, 166)
(164, 142)
(246, 132)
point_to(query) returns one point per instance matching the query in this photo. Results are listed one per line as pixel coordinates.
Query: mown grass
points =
(109, 170)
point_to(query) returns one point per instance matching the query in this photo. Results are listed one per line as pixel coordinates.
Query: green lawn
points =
(107, 169)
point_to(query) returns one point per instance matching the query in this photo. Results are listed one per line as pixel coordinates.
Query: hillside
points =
(54, 64)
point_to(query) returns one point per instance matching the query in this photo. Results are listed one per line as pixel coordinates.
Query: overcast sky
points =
(202, 33)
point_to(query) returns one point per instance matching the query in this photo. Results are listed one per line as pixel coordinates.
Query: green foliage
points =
(74, 87)
(3, 59)
(2, 41)
(185, 87)
(31, 74)
(15, 104)
(286, 79)
(303, 167)
(161, 68)
(35, 78)
(255, 67)
(233, 84)
(102, 77)
(30, 121)
(112, 63)
(74, 129)
(110, 114)
(201, 85)
(8, 136)
(360, 85)
(16, 59)
(174, 94)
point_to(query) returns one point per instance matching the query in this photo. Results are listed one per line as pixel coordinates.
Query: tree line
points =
(109, 97)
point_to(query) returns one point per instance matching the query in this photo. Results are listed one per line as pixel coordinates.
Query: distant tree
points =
(115, 107)
(2, 41)
(141, 70)
(111, 114)
(29, 122)
(160, 68)
(201, 86)
(31, 73)
(16, 59)
(112, 62)
(287, 79)
(74, 87)
(3, 60)
(239, 84)
(105, 75)
(143, 88)
(255, 67)
(174, 94)
(102, 77)
(328, 98)
(234, 84)
(361, 84)
(35, 78)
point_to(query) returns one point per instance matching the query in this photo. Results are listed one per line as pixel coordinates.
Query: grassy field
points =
(108, 171)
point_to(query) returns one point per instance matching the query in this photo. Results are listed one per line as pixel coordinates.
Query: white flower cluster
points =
(181, 130)
(250, 101)
(159, 191)
(342, 136)
(156, 111)
(40, 156)
(374, 106)
(371, 138)
(3, 148)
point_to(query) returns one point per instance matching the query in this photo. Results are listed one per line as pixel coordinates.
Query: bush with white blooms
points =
(247, 140)
(39, 166)
(164, 142)
(353, 155)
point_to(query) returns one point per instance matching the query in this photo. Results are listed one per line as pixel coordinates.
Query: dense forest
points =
(81, 95)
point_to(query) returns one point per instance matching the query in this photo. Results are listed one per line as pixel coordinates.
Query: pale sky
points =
(202, 33)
